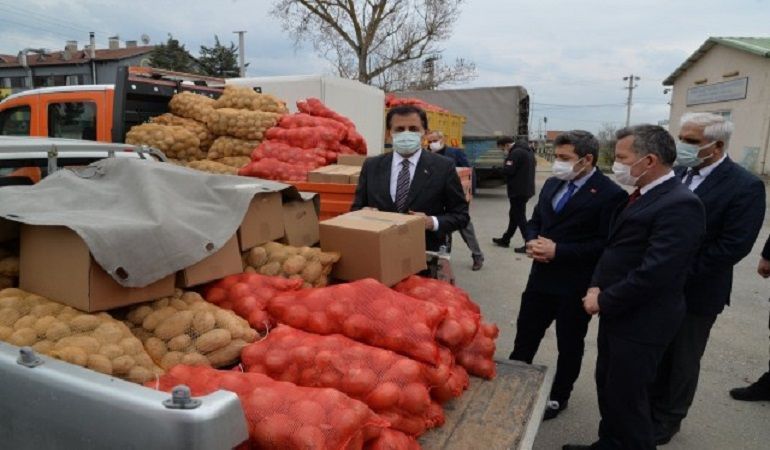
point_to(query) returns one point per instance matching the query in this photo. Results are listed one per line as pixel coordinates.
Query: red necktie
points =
(633, 197)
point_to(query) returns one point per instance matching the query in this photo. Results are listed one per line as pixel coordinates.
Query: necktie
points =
(402, 186)
(565, 198)
(688, 179)
(634, 197)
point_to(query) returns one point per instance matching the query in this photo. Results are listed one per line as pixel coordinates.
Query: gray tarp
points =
(492, 111)
(150, 219)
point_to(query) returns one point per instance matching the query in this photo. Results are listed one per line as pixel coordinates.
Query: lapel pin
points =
(593, 190)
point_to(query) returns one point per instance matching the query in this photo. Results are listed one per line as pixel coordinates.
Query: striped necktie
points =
(688, 179)
(402, 186)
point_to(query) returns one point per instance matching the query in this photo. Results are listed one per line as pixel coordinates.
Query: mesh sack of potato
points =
(212, 167)
(234, 161)
(226, 146)
(96, 341)
(199, 129)
(246, 98)
(191, 106)
(174, 141)
(185, 329)
(309, 264)
(241, 123)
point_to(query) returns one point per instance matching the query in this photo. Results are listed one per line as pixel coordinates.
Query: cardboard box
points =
(300, 222)
(263, 221)
(466, 180)
(56, 264)
(334, 174)
(386, 246)
(351, 160)
(225, 261)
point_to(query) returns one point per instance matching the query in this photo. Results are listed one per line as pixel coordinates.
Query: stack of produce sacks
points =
(391, 101)
(215, 167)
(174, 141)
(9, 265)
(185, 329)
(199, 129)
(96, 341)
(283, 415)
(304, 141)
(309, 264)
(191, 106)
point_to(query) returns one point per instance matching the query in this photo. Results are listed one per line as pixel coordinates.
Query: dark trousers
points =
(624, 370)
(468, 233)
(535, 316)
(517, 217)
(674, 389)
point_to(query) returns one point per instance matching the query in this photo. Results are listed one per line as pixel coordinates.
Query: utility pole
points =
(631, 86)
(241, 52)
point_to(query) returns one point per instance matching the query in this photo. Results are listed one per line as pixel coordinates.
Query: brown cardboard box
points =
(386, 246)
(300, 222)
(263, 221)
(466, 180)
(351, 160)
(226, 261)
(56, 263)
(333, 174)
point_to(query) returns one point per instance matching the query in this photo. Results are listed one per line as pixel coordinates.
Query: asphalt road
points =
(736, 355)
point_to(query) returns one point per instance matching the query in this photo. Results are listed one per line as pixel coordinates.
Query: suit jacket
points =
(456, 155)
(435, 191)
(766, 249)
(579, 231)
(644, 266)
(735, 209)
(519, 172)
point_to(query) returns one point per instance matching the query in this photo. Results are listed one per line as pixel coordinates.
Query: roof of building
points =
(551, 135)
(759, 46)
(63, 57)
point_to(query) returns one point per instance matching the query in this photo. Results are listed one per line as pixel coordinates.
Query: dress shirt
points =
(702, 173)
(563, 189)
(395, 168)
(657, 182)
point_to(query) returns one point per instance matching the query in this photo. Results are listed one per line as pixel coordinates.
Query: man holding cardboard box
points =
(413, 181)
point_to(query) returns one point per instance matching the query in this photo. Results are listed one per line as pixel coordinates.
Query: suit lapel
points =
(583, 195)
(383, 177)
(641, 203)
(422, 173)
(714, 178)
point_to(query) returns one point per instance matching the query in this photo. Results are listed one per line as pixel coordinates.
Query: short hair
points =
(584, 143)
(651, 140)
(715, 127)
(505, 140)
(406, 110)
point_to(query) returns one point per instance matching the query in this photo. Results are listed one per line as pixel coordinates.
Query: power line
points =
(554, 105)
(3, 19)
(46, 18)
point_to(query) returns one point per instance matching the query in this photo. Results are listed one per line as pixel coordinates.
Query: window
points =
(72, 120)
(15, 121)
(726, 114)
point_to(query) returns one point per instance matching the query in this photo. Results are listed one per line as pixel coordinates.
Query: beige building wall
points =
(751, 116)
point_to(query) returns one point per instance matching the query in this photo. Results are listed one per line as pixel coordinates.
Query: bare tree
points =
(392, 44)
(606, 138)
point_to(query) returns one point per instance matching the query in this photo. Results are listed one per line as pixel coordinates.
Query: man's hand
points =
(591, 301)
(543, 249)
(763, 268)
(428, 220)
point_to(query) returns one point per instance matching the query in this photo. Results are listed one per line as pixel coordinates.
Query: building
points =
(729, 76)
(71, 66)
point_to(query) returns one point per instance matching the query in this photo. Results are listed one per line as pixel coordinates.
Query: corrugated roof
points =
(759, 46)
(78, 57)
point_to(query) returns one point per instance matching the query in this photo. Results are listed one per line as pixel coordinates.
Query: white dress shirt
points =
(657, 182)
(702, 173)
(395, 168)
(578, 184)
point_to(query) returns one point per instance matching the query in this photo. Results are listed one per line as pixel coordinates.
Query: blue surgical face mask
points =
(407, 142)
(687, 154)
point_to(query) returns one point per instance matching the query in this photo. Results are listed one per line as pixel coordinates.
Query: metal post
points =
(92, 39)
(631, 86)
(241, 53)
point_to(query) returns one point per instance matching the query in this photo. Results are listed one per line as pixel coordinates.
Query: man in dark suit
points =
(437, 145)
(565, 238)
(760, 389)
(519, 172)
(638, 285)
(735, 209)
(411, 180)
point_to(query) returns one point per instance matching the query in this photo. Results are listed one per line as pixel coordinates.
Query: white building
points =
(729, 76)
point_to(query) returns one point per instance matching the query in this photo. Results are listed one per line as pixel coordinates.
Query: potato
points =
(229, 321)
(139, 374)
(271, 269)
(25, 322)
(72, 355)
(171, 359)
(122, 364)
(226, 355)
(111, 351)
(312, 272)
(226, 148)
(249, 269)
(237, 161)
(328, 258)
(155, 348)
(278, 255)
(23, 337)
(87, 343)
(156, 317)
(174, 141)
(180, 343)
(144, 360)
(9, 316)
(85, 322)
(257, 257)
(213, 340)
(67, 313)
(13, 292)
(175, 325)
(45, 347)
(141, 334)
(109, 333)
(11, 302)
(137, 315)
(197, 128)
(191, 106)
(57, 330)
(242, 124)
(308, 252)
(293, 265)
(271, 247)
(162, 303)
(45, 309)
(191, 298)
(5, 332)
(178, 304)
(131, 345)
(195, 359)
(203, 321)
(247, 98)
(42, 324)
(99, 363)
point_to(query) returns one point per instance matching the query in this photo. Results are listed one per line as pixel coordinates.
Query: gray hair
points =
(651, 140)
(715, 127)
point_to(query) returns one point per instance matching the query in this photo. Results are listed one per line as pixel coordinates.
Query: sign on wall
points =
(718, 92)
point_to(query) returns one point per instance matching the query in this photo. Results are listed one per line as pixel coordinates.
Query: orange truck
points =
(99, 112)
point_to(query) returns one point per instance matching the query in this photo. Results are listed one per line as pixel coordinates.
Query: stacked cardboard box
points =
(338, 174)
(466, 179)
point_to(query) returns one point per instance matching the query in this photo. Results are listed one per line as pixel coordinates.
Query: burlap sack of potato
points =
(185, 329)
(174, 141)
(241, 123)
(191, 106)
(234, 161)
(212, 167)
(96, 341)
(309, 264)
(246, 98)
(199, 129)
(228, 147)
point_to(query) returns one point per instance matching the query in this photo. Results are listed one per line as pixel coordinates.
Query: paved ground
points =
(737, 352)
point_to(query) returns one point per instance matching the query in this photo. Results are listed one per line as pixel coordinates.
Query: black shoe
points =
(553, 408)
(478, 263)
(664, 435)
(757, 392)
(593, 446)
(522, 249)
(500, 242)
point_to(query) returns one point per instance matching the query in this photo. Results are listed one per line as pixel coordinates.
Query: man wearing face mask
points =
(735, 209)
(638, 285)
(411, 180)
(565, 238)
(519, 172)
(437, 145)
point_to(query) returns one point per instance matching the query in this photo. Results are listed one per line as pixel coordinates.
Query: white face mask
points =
(623, 173)
(436, 146)
(407, 142)
(565, 170)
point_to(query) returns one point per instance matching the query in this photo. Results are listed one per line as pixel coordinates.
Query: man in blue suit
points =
(565, 238)
(638, 285)
(735, 209)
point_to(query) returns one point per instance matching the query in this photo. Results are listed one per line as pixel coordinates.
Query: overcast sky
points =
(570, 56)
